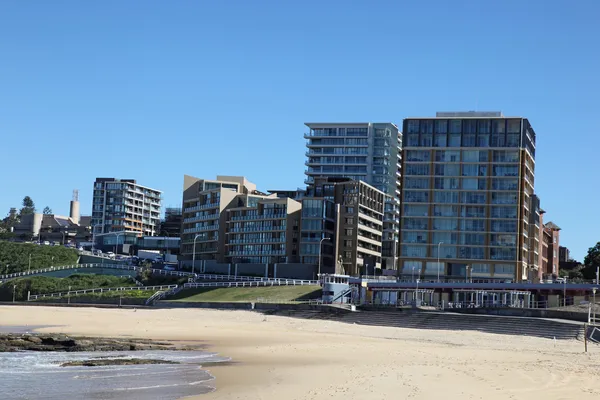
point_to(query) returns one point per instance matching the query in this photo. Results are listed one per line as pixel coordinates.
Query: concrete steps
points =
(446, 321)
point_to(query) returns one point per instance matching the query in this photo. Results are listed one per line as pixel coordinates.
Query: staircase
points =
(535, 327)
(162, 294)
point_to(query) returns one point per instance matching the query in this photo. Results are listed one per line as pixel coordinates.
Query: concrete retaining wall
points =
(213, 305)
(525, 312)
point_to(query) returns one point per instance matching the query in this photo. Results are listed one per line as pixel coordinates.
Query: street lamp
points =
(438, 264)
(117, 241)
(565, 292)
(413, 274)
(594, 305)
(467, 268)
(417, 293)
(320, 245)
(194, 254)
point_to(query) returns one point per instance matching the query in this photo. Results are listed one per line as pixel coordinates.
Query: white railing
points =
(98, 290)
(63, 267)
(162, 294)
(291, 282)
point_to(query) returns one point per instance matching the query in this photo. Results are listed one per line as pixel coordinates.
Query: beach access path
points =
(294, 359)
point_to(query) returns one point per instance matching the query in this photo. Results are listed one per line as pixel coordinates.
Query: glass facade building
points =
(368, 152)
(467, 183)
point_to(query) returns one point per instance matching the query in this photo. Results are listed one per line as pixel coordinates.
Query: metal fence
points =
(290, 282)
(98, 290)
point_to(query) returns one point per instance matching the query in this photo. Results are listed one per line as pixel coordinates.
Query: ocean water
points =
(38, 375)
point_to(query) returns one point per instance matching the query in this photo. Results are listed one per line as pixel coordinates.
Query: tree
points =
(591, 262)
(28, 206)
(47, 210)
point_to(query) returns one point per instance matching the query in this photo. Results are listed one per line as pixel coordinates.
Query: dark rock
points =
(114, 361)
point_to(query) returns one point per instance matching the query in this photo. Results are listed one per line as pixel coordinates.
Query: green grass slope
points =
(14, 257)
(242, 294)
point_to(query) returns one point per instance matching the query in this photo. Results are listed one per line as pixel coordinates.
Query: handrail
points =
(101, 290)
(191, 285)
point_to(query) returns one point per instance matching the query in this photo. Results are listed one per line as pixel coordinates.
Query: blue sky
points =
(153, 90)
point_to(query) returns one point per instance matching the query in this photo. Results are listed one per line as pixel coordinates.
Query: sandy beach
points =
(285, 358)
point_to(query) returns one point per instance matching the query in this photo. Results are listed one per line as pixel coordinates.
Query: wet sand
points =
(285, 358)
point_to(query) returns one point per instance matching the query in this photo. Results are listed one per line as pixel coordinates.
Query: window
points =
(412, 126)
(504, 269)
(445, 211)
(480, 269)
(506, 156)
(415, 210)
(498, 126)
(349, 232)
(477, 239)
(504, 198)
(446, 183)
(473, 211)
(473, 253)
(555, 243)
(427, 126)
(505, 170)
(347, 254)
(473, 184)
(454, 141)
(504, 212)
(416, 169)
(447, 169)
(414, 251)
(418, 155)
(350, 221)
(503, 240)
(504, 226)
(440, 140)
(412, 140)
(475, 156)
(447, 155)
(505, 184)
(349, 210)
(502, 254)
(445, 224)
(415, 237)
(441, 126)
(348, 243)
(469, 140)
(445, 197)
(513, 126)
(484, 126)
(455, 126)
(414, 223)
(472, 225)
(473, 198)
(446, 237)
(416, 183)
(411, 196)
(426, 140)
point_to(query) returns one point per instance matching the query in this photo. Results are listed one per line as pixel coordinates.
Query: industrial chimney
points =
(74, 209)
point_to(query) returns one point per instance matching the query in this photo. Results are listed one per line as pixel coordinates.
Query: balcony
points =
(258, 217)
(202, 218)
(201, 207)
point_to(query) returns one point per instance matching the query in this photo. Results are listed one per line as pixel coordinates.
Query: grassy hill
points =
(243, 294)
(14, 257)
(46, 284)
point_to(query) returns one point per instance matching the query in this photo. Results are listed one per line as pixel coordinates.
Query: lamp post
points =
(117, 241)
(467, 268)
(194, 253)
(594, 305)
(438, 264)
(417, 293)
(14, 290)
(320, 246)
(565, 292)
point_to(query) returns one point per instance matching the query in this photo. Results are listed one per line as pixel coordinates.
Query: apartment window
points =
(454, 141)
(445, 197)
(441, 126)
(414, 251)
(418, 155)
(414, 223)
(415, 237)
(411, 196)
(477, 239)
(412, 126)
(473, 184)
(473, 211)
(348, 243)
(555, 243)
(474, 156)
(472, 225)
(498, 126)
(503, 240)
(472, 253)
(480, 268)
(455, 126)
(427, 126)
(426, 140)
(412, 140)
(347, 254)
(447, 169)
(469, 140)
(513, 126)
(445, 224)
(502, 254)
(504, 226)
(447, 155)
(416, 169)
(415, 210)
(504, 198)
(445, 237)
(555, 253)
(505, 156)
(350, 210)
(473, 198)
(440, 140)
(446, 183)
(505, 170)
(416, 183)
(350, 221)
(445, 211)
(348, 232)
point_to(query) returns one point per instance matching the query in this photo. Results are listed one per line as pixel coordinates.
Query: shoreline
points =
(284, 358)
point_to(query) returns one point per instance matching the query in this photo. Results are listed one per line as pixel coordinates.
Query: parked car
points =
(46, 243)
(110, 254)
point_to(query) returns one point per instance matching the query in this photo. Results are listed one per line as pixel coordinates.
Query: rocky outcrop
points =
(100, 362)
(46, 342)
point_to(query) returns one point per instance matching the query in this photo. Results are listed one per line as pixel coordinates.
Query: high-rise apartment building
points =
(204, 219)
(121, 205)
(465, 206)
(368, 152)
(263, 230)
(352, 236)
